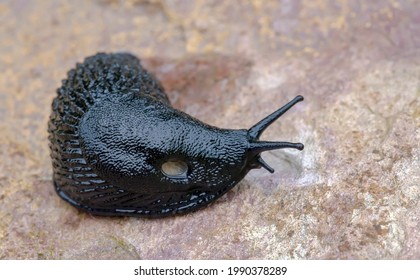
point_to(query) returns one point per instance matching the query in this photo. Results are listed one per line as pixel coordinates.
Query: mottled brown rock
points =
(353, 193)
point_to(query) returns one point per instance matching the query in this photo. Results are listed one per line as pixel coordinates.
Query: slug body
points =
(119, 148)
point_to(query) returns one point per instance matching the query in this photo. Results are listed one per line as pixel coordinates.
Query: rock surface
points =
(353, 193)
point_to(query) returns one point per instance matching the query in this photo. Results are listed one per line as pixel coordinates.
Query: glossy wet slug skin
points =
(119, 148)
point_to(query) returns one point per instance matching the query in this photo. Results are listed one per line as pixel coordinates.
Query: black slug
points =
(119, 148)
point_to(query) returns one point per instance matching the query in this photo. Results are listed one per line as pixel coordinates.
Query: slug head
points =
(145, 146)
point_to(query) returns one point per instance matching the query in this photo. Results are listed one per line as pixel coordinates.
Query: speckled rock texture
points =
(353, 193)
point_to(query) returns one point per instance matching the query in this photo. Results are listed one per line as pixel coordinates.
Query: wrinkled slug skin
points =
(112, 129)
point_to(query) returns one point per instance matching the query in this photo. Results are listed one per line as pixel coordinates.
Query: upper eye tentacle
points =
(256, 131)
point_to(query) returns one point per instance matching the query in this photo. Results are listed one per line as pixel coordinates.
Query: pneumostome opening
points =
(175, 168)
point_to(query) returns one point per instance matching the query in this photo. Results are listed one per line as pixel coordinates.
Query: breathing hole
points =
(175, 168)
